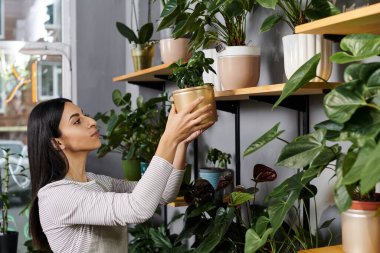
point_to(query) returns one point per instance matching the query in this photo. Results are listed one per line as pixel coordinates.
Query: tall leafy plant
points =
(218, 158)
(190, 74)
(201, 19)
(296, 12)
(4, 188)
(133, 132)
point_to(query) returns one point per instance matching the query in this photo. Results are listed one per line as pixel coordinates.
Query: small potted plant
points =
(135, 133)
(8, 239)
(142, 48)
(298, 48)
(188, 77)
(218, 22)
(219, 160)
(172, 49)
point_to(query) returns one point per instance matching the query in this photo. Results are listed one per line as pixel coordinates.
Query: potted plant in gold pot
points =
(142, 48)
(211, 22)
(188, 77)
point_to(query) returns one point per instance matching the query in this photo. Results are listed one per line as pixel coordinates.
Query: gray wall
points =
(103, 54)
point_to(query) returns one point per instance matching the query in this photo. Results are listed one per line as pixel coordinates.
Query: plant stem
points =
(373, 106)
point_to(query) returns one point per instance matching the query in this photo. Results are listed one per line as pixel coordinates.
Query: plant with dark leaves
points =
(218, 158)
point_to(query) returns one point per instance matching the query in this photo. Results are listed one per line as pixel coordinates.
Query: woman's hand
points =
(183, 127)
(187, 124)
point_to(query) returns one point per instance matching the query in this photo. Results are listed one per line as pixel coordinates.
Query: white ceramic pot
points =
(239, 67)
(210, 77)
(299, 48)
(174, 49)
(361, 228)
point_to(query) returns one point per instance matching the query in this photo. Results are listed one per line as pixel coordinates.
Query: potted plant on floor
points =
(133, 132)
(219, 160)
(353, 112)
(8, 239)
(142, 48)
(298, 48)
(172, 49)
(188, 77)
(212, 22)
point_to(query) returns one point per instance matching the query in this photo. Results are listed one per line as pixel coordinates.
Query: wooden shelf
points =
(179, 201)
(361, 20)
(331, 249)
(153, 74)
(314, 88)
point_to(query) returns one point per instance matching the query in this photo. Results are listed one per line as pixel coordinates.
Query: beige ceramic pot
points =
(174, 49)
(239, 67)
(183, 97)
(142, 56)
(361, 228)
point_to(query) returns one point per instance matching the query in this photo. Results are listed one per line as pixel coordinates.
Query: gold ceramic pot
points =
(142, 56)
(183, 97)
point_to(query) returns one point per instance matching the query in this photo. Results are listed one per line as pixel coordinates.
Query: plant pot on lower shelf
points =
(183, 97)
(239, 67)
(174, 49)
(131, 169)
(212, 175)
(8, 242)
(299, 48)
(361, 228)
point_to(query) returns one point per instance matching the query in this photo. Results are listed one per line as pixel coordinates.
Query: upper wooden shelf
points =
(153, 74)
(331, 249)
(362, 20)
(313, 88)
(157, 73)
(179, 201)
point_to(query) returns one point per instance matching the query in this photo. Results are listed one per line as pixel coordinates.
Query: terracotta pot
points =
(174, 49)
(183, 97)
(361, 228)
(299, 48)
(239, 67)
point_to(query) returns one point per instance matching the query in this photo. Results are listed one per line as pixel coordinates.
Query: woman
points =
(75, 211)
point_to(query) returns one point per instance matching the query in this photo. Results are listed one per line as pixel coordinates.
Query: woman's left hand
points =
(193, 136)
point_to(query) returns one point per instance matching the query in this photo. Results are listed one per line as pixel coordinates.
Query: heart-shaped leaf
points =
(262, 173)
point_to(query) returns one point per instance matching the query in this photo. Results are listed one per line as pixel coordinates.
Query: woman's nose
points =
(91, 122)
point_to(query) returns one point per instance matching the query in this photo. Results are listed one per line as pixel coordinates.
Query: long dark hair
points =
(47, 164)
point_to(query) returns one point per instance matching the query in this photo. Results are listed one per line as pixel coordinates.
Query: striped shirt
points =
(69, 210)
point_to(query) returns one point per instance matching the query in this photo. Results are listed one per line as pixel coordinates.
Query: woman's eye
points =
(86, 115)
(77, 122)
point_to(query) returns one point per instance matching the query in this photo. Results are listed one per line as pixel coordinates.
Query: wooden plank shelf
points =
(153, 74)
(331, 249)
(179, 201)
(313, 88)
(361, 20)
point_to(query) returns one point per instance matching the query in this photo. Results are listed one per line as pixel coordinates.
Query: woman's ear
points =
(57, 144)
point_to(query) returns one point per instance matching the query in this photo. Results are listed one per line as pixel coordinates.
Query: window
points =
(49, 79)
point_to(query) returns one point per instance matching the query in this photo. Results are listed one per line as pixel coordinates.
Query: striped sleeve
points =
(70, 204)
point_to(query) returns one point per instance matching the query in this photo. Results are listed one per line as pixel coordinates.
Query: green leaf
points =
(169, 8)
(367, 70)
(352, 72)
(283, 198)
(127, 32)
(354, 173)
(343, 101)
(270, 4)
(169, 20)
(233, 8)
(262, 225)
(145, 33)
(270, 22)
(238, 198)
(341, 194)
(327, 223)
(361, 46)
(327, 155)
(374, 80)
(302, 150)
(370, 174)
(300, 78)
(253, 242)
(321, 9)
(117, 98)
(219, 228)
(267, 137)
